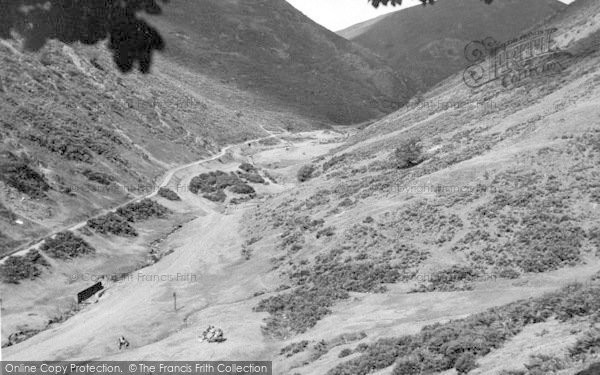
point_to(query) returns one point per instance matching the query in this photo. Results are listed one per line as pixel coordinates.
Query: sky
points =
(339, 14)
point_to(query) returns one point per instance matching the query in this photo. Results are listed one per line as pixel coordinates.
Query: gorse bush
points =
(254, 178)
(142, 210)
(321, 286)
(408, 154)
(112, 223)
(589, 343)
(99, 177)
(247, 167)
(168, 194)
(26, 267)
(305, 173)
(465, 363)
(213, 181)
(118, 223)
(294, 348)
(458, 343)
(452, 279)
(242, 189)
(66, 245)
(213, 184)
(6, 213)
(217, 196)
(23, 178)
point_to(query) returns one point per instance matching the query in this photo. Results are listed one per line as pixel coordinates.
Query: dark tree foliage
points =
(376, 3)
(131, 40)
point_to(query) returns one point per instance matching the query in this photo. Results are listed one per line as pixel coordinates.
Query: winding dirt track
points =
(36, 243)
(214, 285)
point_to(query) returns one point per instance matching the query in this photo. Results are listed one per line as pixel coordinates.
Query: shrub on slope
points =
(26, 267)
(444, 346)
(66, 245)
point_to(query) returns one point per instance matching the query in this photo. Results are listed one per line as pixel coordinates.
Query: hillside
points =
(427, 43)
(77, 137)
(269, 48)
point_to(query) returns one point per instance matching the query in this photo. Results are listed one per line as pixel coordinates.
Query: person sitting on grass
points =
(123, 343)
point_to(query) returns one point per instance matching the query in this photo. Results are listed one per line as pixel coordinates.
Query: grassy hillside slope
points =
(269, 48)
(77, 137)
(497, 198)
(427, 43)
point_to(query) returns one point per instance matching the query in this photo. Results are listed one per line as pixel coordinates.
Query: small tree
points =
(408, 154)
(305, 173)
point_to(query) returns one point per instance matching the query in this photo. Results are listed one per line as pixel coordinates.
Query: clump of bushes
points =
(213, 184)
(294, 348)
(457, 344)
(451, 279)
(547, 246)
(334, 161)
(408, 154)
(168, 194)
(25, 179)
(241, 188)
(326, 232)
(255, 178)
(533, 242)
(99, 177)
(544, 364)
(66, 245)
(213, 181)
(345, 352)
(142, 210)
(5, 212)
(218, 196)
(240, 200)
(118, 223)
(306, 172)
(319, 288)
(247, 167)
(26, 267)
(112, 223)
(589, 343)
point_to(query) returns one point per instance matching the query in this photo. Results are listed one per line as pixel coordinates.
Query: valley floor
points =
(216, 285)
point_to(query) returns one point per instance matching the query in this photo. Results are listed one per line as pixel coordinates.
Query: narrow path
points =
(207, 247)
(37, 242)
